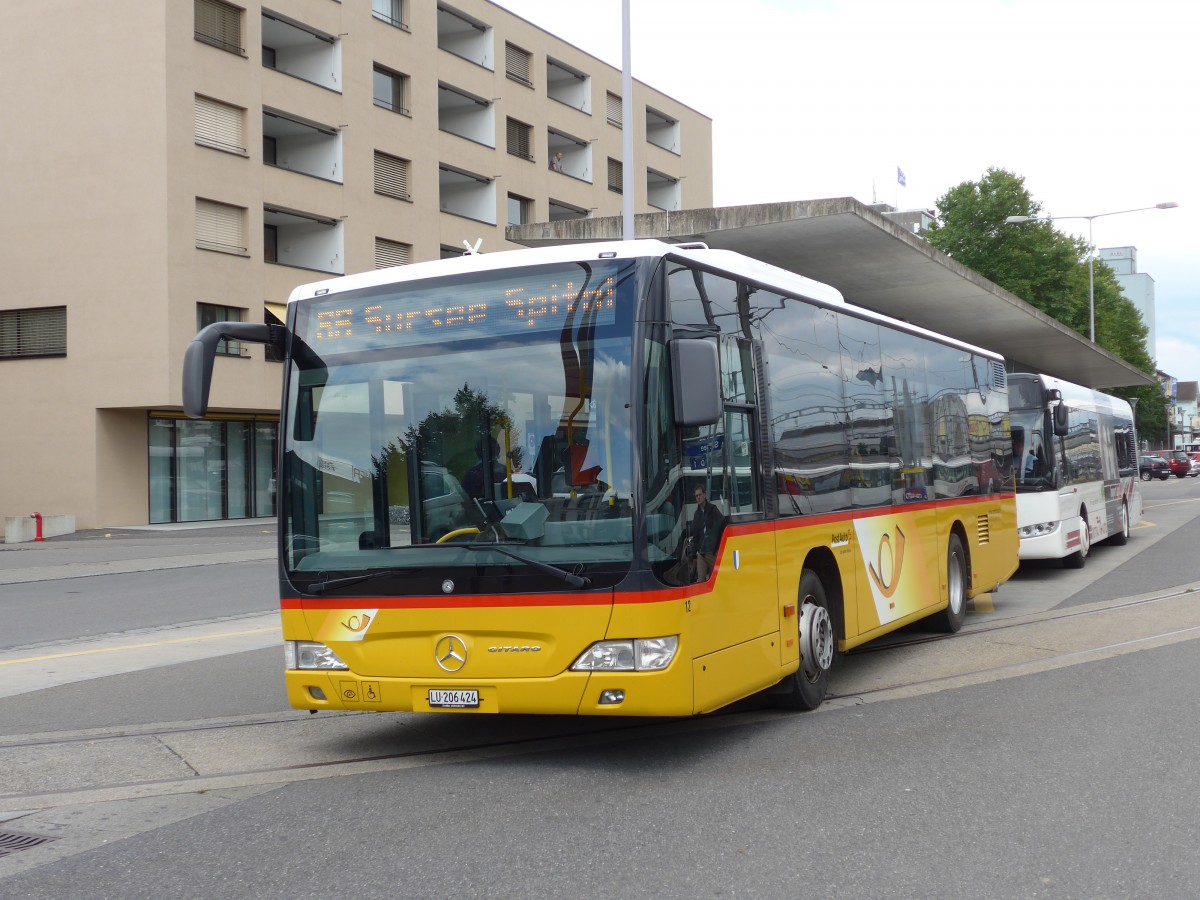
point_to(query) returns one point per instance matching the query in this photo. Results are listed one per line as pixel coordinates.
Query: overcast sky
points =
(1096, 104)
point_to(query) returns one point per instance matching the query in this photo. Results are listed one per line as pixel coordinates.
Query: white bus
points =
(1075, 454)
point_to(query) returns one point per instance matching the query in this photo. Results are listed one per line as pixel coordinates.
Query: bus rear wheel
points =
(805, 689)
(951, 618)
(1122, 536)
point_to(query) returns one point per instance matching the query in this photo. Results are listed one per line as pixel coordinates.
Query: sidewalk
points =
(110, 551)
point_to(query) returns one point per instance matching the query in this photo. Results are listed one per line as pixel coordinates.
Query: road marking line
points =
(143, 646)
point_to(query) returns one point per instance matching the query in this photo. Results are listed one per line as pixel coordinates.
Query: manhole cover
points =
(11, 842)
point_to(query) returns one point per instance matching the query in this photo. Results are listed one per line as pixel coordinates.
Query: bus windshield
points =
(1035, 464)
(461, 419)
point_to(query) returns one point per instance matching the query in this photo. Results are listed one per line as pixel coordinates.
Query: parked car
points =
(1179, 462)
(1152, 466)
(1195, 462)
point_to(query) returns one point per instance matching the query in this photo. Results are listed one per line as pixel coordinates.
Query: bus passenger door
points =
(738, 601)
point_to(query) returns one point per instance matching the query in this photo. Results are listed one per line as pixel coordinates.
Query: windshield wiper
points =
(577, 581)
(322, 586)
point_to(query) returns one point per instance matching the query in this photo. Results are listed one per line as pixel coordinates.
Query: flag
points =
(900, 177)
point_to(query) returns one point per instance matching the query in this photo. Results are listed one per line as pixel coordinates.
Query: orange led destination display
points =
(456, 311)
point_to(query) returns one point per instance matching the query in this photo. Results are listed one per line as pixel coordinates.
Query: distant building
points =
(915, 220)
(1138, 287)
(178, 163)
(1185, 425)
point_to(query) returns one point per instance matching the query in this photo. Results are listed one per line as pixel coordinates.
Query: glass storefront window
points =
(211, 469)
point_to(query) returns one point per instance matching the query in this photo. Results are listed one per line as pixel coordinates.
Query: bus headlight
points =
(1041, 529)
(641, 655)
(310, 655)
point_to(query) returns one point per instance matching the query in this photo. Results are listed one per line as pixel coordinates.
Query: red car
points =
(1179, 462)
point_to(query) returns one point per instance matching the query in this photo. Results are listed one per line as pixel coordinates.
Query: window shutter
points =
(518, 139)
(391, 175)
(614, 109)
(391, 253)
(33, 332)
(219, 226)
(616, 176)
(219, 125)
(219, 24)
(516, 64)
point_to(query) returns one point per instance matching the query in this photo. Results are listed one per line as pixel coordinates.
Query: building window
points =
(220, 227)
(220, 126)
(26, 333)
(390, 11)
(520, 139)
(391, 253)
(616, 176)
(519, 210)
(219, 24)
(391, 176)
(613, 105)
(270, 148)
(517, 64)
(270, 243)
(208, 314)
(389, 89)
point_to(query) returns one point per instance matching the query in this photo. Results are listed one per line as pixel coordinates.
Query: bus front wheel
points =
(1079, 557)
(805, 688)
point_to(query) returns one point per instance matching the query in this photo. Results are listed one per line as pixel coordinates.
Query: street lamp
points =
(1017, 220)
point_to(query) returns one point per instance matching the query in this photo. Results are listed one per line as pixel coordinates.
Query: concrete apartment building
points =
(175, 163)
(1138, 288)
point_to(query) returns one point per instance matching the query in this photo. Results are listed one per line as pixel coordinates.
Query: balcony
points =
(293, 49)
(568, 85)
(465, 36)
(301, 146)
(662, 191)
(662, 130)
(466, 115)
(576, 159)
(463, 193)
(303, 240)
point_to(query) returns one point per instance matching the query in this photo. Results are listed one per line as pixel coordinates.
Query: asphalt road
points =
(1065, 766)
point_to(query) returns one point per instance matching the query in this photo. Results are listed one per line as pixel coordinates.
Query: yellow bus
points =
(627, 478)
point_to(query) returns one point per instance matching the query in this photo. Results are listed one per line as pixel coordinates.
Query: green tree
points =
(1048, 270)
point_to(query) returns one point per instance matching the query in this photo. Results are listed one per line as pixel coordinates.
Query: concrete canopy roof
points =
(876, 264)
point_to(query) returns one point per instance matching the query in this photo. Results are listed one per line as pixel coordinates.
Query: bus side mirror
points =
(696, 382)
(1062, 423)
(198, 359)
